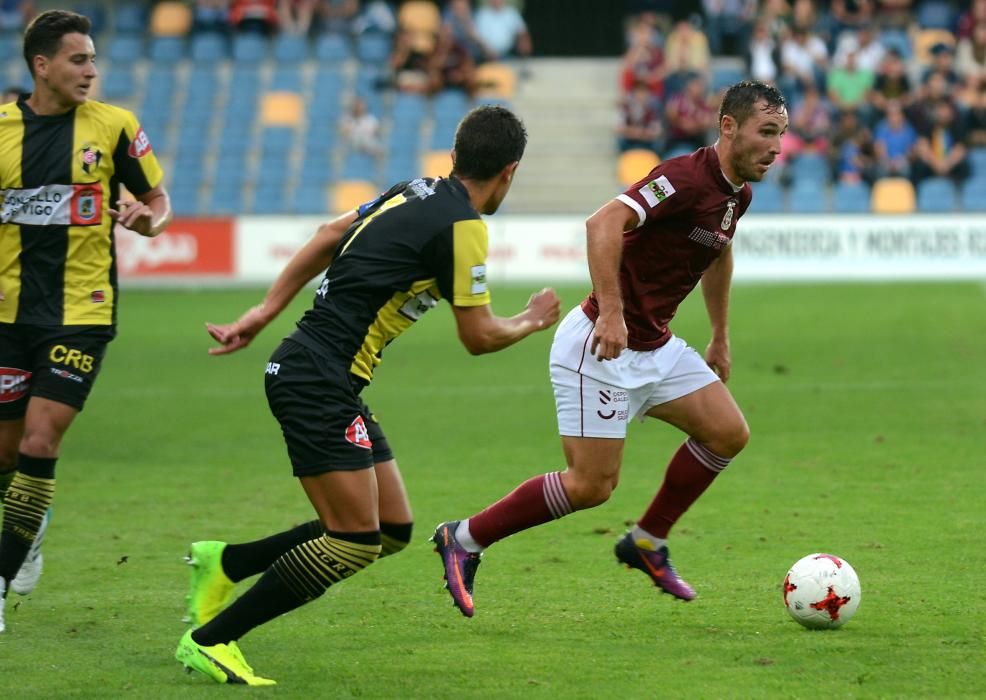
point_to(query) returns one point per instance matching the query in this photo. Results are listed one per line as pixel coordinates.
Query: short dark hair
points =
(43, 36)
(740, 99)
(487, 140)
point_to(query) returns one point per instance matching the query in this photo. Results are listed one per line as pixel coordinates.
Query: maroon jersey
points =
(688, 213)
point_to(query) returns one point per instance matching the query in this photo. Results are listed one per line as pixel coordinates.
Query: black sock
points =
(241, 561)
(27, 500)
(299, 576)
(394, 537)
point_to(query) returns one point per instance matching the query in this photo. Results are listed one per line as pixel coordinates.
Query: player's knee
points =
(588, 492)
(731, 439)
(40, 443)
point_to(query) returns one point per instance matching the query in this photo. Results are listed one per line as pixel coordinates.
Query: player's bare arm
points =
(604, 244)
(147, 215)
(715, 291)
(481, 331)
(311, 258)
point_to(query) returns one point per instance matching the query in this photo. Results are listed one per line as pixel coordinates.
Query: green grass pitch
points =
(868, 416)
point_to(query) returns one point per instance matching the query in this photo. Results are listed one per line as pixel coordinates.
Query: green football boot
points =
(210, 589)
(223, 663)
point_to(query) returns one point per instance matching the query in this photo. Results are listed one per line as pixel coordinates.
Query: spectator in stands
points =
(452, 64)
(643, 61)
(210, 16)
(375, 16)
(851, 14)
(805, 15)
(976, 14)
(458, 18)
(851, 152)
(895, 14)
(295, 16)
(776, 14)
(804, 61)
(686, 52)
(864, 44)
(336, 16)
(254, 16)
(894, 140)
(976, 121)
(15, 14)
(640, 120)
(12, 92)
(848, 87)
(690, 115)
(763, 57)
(941, 149)
(970, 56)
(921, 112)
(810, 126)
(728, 25)
(502, 30)
(943, 64)
(891, 83)
(360, 129)
(411, 62)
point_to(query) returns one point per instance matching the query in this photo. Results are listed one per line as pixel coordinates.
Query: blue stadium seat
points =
(442, 136)
(207, 48)
(768, 198)
(95, 11)
(977, 161)
(808, 197)
(286, 78)
(184, 196)
(899, 40)
(373, 48)
(166, 49)
(810, 167)
(309, 199)
(851, 198)
(268, 197)
(332, 48)
(974, 193)
(936, 194)
(724, 76)
(125, 48)
(316, 170)
(409, 108)
(290, 48)
(129, 18)
(936, 14)
(359, 166)
(320, 139)
(10, 47)
(118, 82)
(276, 139)
(249, 48)
(449, 105)
(226, 199)
(401, 167)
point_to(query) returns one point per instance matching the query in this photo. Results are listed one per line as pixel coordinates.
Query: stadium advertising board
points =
(551, 249)
(190, 249)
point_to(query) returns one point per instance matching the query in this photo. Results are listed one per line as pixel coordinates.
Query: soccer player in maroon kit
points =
(614, 359)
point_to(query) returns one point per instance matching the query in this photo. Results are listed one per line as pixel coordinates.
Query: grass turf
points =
(867, 411)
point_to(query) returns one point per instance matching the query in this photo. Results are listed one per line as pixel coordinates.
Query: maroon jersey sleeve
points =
(662, 194)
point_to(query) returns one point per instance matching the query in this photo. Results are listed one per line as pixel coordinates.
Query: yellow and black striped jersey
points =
(416, 243)
(59, 175)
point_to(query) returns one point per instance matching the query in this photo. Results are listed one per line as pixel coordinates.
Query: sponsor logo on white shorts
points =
(656, 191)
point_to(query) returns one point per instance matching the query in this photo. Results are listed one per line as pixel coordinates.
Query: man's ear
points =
(510, 169)
(728, 126)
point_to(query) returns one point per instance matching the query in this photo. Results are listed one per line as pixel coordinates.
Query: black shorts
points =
(325, 423)
(57, 362)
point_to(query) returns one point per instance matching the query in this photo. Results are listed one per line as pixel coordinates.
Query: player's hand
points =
(609, 337)
(235, 336)
(718, 358)
(544, 308)
(134, 215)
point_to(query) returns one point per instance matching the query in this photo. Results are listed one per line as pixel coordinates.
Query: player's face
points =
(757, 143)
(70, 73)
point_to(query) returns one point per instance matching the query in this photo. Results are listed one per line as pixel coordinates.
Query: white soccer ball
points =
(821, 591)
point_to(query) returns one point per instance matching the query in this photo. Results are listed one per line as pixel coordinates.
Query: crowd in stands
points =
(875, 88)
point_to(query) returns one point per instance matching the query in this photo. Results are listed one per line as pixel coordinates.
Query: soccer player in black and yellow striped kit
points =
(388, 262)
(63, 158)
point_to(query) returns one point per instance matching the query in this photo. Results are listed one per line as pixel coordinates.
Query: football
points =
(821, 591)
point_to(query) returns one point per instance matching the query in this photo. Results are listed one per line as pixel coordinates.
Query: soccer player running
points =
(62, 159)
(614, 358)
(388, 262)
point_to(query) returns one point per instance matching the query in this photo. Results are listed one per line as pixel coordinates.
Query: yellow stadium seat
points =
(495, 80)
(634, 164)
(436, 164)
(893, 195)
(349, 194)
(171, 19)
(419, 16)
(281, 109)
(925, 39)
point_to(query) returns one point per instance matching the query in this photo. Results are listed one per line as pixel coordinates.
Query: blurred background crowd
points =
(281, 106)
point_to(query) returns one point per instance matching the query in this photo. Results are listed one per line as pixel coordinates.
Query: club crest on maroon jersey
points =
(727, 219)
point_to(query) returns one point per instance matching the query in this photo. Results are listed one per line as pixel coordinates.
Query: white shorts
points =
(598, 399)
